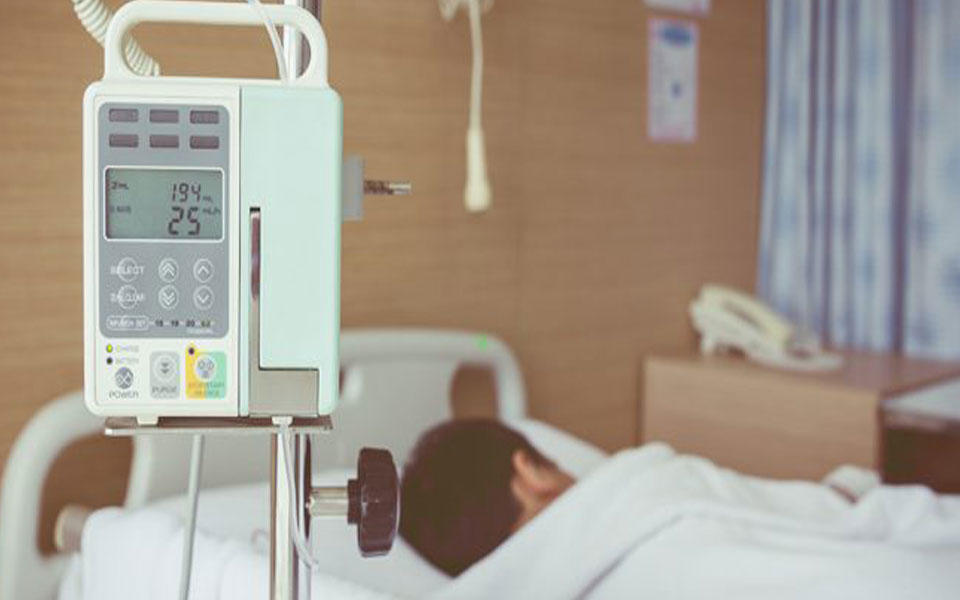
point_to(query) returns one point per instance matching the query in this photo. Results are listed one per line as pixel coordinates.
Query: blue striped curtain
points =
(860, 231)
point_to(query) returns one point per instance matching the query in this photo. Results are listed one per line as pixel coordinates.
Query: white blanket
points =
(136, 554)
(652, 524)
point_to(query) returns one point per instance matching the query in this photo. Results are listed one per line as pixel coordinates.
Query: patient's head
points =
(468, 485)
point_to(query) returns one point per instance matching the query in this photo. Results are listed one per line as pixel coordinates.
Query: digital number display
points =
(164, 204)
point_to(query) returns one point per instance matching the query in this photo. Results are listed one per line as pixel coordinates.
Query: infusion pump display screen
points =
(164, 204)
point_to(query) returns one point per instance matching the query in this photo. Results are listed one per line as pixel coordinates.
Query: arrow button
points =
(203, 270)
(203, 297)
(169, 270)
(169, 297)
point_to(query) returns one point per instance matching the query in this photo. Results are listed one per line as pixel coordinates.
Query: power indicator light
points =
(109, 347)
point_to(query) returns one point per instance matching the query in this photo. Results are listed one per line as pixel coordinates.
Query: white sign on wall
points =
(672, 85)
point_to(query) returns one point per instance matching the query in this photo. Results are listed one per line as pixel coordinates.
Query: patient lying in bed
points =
(468, 486)
(477, 494)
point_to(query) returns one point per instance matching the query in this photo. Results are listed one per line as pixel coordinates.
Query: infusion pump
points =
(211, 233)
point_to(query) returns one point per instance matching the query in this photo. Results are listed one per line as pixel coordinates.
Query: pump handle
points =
(211, 13)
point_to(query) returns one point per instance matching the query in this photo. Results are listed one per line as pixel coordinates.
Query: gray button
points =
(164, 141)
(163, 115)
(124, 378)
(164, 367)
(127, 269)
(203, 297)
(204, 142)
(203, 270)
(128, 297)
(204, 117)
(168, 297)
(168, 270)
(123, 115)
(165, 375)
(124, 140)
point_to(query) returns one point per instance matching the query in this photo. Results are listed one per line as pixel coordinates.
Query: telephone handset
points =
(730, 319)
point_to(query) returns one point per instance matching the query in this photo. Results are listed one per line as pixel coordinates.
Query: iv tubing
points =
(274, 40)
(296, 519)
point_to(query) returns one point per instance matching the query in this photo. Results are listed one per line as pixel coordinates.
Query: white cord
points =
(296, 518)
(95, 17)
(274, 39)
(299, 540)
(477, 194)
(193, 494)
(476, 76)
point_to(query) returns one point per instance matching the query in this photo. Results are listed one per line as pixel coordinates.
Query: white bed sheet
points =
(239, 517)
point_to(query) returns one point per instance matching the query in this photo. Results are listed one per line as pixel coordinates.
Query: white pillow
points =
(571, 454)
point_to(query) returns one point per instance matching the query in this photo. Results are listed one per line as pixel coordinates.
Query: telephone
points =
(729, 319)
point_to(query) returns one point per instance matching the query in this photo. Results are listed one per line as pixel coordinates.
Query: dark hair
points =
(456, 503)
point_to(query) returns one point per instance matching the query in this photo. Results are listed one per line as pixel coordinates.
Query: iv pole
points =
(370, 502)
(284, 563)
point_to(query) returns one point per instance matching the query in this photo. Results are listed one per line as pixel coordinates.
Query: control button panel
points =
(149, 297)
(170, 286)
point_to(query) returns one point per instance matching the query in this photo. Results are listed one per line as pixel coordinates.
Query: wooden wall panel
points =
(618, 232)
(596, 241)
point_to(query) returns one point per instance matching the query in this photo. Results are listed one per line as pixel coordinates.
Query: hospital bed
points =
(394, 384)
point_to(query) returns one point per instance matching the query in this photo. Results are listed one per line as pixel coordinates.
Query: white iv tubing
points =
(296, 519)
(274, 40)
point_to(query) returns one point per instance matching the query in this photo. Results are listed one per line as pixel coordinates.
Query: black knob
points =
(374, 501)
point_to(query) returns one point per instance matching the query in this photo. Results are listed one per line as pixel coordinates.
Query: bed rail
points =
(24, 573)
(396, 383)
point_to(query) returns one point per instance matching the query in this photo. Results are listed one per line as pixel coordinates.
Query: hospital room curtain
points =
(860, 226)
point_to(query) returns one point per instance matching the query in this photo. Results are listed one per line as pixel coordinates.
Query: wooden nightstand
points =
(785, 424)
